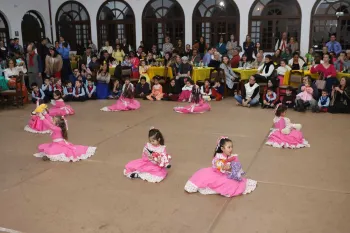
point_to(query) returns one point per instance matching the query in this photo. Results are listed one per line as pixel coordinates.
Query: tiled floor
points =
(299, 191)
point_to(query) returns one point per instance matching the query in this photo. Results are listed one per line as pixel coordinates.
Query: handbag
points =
(321, 82)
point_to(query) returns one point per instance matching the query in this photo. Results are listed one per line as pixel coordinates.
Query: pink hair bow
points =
(219, 140)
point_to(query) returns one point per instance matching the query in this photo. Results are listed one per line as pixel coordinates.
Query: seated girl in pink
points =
(306, 93)
(216, 179)
(198, 105)
(157, 90)
(155, 160)
(35, 124)
(59, 108)
(186, 91)
(60, 149)
(126, 101)
(285, 134)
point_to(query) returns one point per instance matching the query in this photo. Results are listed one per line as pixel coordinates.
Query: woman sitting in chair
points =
(230, 76)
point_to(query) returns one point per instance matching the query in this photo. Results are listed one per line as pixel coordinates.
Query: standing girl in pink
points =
(59, 108)
(285, 134)
(198, 105)
(148, 167)
(216, 179)
(126, 102)
(60, 149)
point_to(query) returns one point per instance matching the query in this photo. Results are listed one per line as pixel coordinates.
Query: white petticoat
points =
(63, 158)
(30, 130)
(145, 176)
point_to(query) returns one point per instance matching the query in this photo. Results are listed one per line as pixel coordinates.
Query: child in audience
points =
(270, 98)
(117, 90)
(186, 91)
(149, 168)
(58, 85)
(157, 90)
(217, 91)
(59, 108)
(323, 102)
(68, 91)
(126, 102)
(305, 95)
(282, 70)
(206, 90)
(142, 88)
(288, 100)
(216, 179)
(285, 134)
(90, 90)
(47, 88)
(143, 68)
(60, 149)
(172, 92)
(198, 105)
(37, 94)
(35, 124)
(79, 91)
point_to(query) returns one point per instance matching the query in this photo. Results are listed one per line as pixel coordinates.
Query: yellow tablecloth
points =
(200, 73)
(154, 70)
(314, 76)
(245, 74)
(340, 75)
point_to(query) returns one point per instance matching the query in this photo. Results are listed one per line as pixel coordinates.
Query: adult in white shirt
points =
(265, 70)
(282, 43)
(107, 47)
(282, 70)
(13, 70)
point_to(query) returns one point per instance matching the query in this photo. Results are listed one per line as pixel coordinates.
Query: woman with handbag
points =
(328, 71)
(340, 102)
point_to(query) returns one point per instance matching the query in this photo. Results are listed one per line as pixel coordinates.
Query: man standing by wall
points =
(334, 46)
(34, 66)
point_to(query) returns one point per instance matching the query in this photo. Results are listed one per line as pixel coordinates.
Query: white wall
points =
(15, 9)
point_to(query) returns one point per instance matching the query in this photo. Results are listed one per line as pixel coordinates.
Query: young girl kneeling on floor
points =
(59, 108)
(198, 105)
(155, 160)
(157, 90)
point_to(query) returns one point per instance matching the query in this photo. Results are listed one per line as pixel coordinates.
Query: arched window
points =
(162, 18)
(4, 30)
(215, 18)
(270, 18)
(330, 17)
(33, 28)
(115, 20)
(73, 23)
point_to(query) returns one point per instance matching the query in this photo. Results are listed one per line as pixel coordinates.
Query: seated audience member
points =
(207, 57)
(73, 77)
(82, 79)
(68, 92)
(244, 63)
(342, 64)
(276, 58)
(333, 57)
(188, 51)
(85, 71)
(270, 98)
(310, 56)
(157, 90)
(103, 79)
(94, 64)
(143, 68)
(250, 94)
(150, 59)
(281, 71)
(258, 62)
(142, 88)
(287, 55)
(206, 90)
(307, 95)
(217, 92)
(230, 76)
(235, 58)
(216, 62)
(184, 71)
(126, 62)
(79, 92)
(91, 90)
(105, 57)
(47, 88)
(117, 90)
(167, 59)
(296, 63)
(58, 85)
(323, 102)
(172, 92)
(265, 71)
(186, 91)
(288, 100)
(38, 94)
(154, 50)
(195, 57)
(340, 97)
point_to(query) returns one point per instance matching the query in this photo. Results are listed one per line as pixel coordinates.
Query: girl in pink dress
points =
(285, 134)
(59, 108)
(126, 102)
(186, 91)
(35, 124)
(217, 178)
(60, 149)
(153, 165)
(198, 105)
(306, 93)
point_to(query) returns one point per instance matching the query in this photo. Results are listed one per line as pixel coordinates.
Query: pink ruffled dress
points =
(146, 169)
(211, 180)
(123, 104)
(201, 107)
(36, 125)
(306, 94)
(59, 108)
(61, 150)
(292, 140)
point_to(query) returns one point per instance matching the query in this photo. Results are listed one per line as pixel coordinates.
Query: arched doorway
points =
(4, 30)
(268, 19)
(162, 18)
(330, 17)
(73, 23)
(215, 18)
(33, 28)
(116, 20)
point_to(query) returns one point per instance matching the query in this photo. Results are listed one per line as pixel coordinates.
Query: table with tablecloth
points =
(313, 76)
(202, 73)
(245, 73)
(155, 70)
